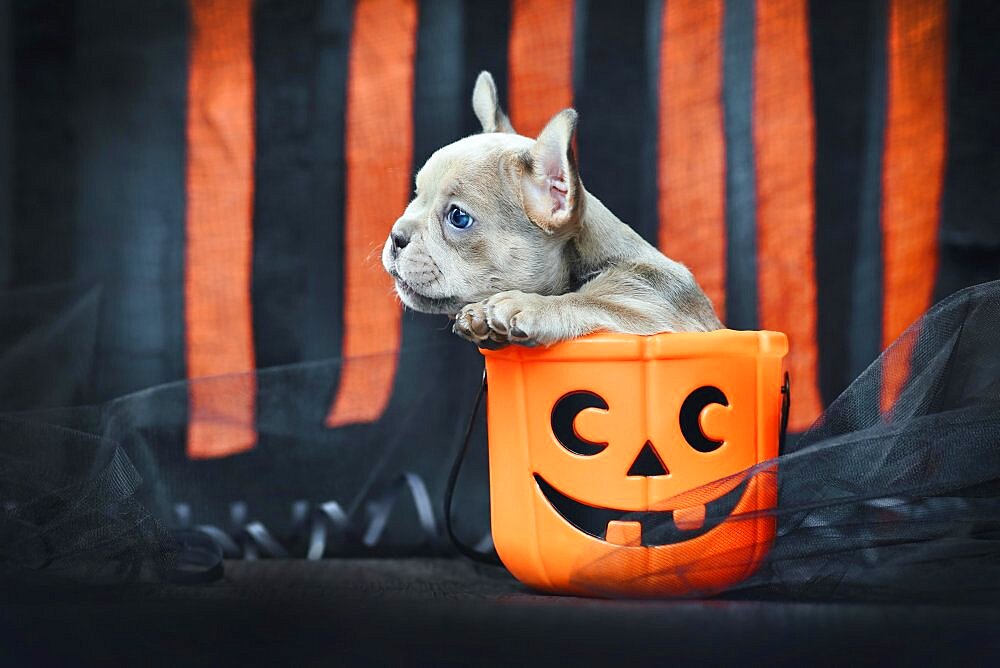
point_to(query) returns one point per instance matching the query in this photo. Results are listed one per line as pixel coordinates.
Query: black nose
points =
(399, 240)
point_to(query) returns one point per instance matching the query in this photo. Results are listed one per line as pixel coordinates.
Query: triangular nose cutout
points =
(647, 463)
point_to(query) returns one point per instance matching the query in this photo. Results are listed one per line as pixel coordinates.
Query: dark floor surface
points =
(441, 612)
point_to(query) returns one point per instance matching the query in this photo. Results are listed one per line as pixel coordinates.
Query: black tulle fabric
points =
(97, 491)
(893, 494)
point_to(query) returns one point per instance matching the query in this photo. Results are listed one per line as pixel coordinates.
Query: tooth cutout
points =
(624, 533)
(648, 463)
(690, 519)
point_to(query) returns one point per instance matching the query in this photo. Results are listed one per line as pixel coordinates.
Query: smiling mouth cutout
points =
(648, 529)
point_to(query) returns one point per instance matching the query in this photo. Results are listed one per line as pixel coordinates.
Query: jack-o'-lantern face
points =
(618, 463)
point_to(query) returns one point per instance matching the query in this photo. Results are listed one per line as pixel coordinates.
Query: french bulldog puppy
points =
(502, 236)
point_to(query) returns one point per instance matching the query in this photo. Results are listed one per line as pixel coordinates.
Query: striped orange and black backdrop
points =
(229, 169)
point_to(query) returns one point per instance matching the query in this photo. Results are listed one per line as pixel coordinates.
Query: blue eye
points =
(459, 219)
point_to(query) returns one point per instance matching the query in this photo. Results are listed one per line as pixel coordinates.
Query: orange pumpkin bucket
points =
(619, 463)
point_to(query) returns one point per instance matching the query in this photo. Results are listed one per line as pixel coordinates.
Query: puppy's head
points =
(492, 212)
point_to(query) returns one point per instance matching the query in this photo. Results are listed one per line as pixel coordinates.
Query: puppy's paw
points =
(505, 318)
(470, 323)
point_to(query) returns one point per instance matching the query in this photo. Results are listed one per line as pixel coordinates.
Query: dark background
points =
(93, 104)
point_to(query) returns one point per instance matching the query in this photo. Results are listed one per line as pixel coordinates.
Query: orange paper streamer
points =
(219, 228)
(379, 148)
(692, 152)
(541, 62)
(785, 151)
(912, 171)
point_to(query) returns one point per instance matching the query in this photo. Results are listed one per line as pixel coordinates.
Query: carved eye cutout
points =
(563, 415)
(691, 414)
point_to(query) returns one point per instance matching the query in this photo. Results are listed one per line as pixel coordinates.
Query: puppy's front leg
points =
(516, 317)
(530, 319)
(635, 298)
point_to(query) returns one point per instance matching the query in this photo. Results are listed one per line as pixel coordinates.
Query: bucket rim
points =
(614, 346)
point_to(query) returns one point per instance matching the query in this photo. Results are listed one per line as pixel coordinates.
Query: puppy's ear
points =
(552, 191)
(486, 104)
